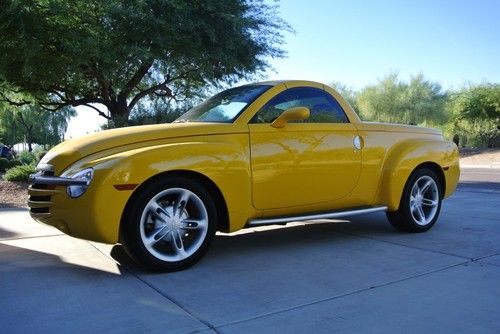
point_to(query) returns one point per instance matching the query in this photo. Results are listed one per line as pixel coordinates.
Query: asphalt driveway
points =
(356, 275)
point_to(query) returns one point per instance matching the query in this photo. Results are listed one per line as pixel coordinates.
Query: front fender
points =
(407, 156)
(223, 159)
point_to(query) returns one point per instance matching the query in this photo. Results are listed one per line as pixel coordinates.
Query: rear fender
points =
(409, 155)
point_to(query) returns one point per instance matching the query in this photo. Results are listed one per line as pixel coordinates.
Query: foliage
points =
(15, 162)
(19, 173)
(27, 158)
(115, 53)
(476, 115)
(39, 152)
(4, 164)
(157, 110)
(348, 93)
(419, 102)
(31, 124)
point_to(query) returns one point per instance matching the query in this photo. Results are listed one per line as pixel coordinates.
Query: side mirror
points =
(292, 114)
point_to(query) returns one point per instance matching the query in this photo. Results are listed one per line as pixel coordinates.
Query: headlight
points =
(75, 191)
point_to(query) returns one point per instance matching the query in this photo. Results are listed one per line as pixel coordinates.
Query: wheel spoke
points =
(417, 212)
(177, 243)
(194, 224)
(157, 210)
(426, 186)
(421, 214)
(429, 202)
(180, 203)
(414, 192)
(157, 235)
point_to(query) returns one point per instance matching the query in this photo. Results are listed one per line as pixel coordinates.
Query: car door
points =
(305, 162)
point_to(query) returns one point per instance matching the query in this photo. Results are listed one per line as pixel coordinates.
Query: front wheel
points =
(420, 203)
(170, 224)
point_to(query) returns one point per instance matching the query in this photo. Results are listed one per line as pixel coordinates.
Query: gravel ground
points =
(15, 194)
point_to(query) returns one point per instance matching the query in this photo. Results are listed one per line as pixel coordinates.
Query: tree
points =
(476, 114)
(33, 125)
(115, 53)
(348, 93)
(390, 100)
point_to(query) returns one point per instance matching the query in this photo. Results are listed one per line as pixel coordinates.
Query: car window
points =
(323, 107)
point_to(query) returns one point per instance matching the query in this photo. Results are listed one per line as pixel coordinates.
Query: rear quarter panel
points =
(392, 153)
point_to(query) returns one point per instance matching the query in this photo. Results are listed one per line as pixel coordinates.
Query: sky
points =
(357, 42)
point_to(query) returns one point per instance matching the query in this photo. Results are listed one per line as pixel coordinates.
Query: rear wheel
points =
(170, 224)
(420, 203)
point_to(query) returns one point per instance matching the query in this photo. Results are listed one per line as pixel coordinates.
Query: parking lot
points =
(357, 275)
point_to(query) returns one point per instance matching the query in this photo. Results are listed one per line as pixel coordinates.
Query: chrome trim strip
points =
(41, 192)
(40, 215)
(329, 215)
(38, 178)
(39, 204)
(44, 168)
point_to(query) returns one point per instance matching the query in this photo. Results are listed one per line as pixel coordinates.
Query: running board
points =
(328, 215)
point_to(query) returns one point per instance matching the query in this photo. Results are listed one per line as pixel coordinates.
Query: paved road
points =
(343, 276)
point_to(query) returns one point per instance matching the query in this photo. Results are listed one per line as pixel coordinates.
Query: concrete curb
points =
(495, 165)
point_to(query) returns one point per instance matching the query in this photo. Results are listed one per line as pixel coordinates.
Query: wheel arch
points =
(213, 189)
(407, 157)
(437, 170)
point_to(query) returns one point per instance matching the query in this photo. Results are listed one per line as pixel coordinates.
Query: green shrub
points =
(39, 155)
(39, 152)
(4, 164)
(14, 163)
(19, 173)
(27, 158)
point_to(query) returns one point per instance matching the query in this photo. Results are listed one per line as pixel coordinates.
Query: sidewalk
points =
(484, 159)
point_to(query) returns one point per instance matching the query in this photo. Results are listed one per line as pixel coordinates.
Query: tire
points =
(420, 203)
(170, 224)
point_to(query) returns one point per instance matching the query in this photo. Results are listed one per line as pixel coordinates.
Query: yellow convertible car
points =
(259, 154)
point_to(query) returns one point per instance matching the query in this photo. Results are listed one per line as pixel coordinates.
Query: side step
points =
(327, 215)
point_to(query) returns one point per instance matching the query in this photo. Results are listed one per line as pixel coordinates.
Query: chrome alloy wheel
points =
(174, 224)
(424, 200)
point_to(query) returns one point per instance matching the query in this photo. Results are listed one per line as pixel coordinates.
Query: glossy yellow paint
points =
(260, 170)
(293, 166)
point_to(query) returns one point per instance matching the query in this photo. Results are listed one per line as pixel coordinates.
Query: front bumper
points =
(94, 216)
(40, 178)
(41, 190)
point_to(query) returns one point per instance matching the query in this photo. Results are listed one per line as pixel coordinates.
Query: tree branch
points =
(161, 86)
(150, 90)
(12, 102)
(98, 111)
(135, 80)
(54, 106)
(103, 84)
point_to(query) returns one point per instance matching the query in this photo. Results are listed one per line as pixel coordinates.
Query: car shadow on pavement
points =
(479, 185)
(6, 234)
(273, 241)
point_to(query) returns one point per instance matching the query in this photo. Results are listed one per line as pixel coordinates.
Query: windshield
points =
(225, 106)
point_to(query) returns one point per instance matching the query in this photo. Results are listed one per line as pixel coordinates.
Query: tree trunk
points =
(29, 138)
(119, 113)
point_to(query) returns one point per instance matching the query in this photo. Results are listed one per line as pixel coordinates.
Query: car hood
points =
(70, 151)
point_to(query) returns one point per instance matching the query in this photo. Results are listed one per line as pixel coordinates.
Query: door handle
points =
(357, 142)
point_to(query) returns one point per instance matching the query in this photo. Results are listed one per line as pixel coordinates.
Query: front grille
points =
(40, 197)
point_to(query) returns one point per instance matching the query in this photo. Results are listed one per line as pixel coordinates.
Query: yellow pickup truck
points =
(258, 154)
